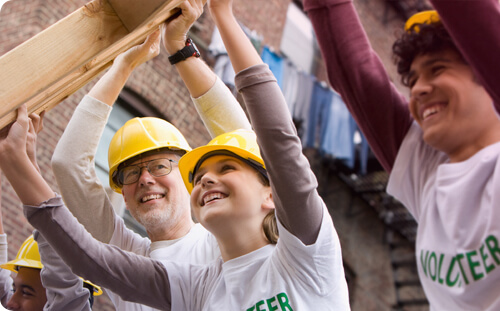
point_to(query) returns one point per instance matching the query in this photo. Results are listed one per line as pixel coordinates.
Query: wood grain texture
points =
(57, 62)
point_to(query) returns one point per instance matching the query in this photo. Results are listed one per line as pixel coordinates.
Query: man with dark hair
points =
(442, 146)
(420, 39)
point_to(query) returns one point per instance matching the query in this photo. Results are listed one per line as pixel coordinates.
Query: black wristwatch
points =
(190, 50)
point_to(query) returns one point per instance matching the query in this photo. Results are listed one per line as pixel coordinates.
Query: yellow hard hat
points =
(95, 288)
(28, 256)
(424, 17)
(140, 135)
(240, 143)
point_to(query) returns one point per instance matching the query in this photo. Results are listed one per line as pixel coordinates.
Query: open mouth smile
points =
(151, 197)
(213, 196)
(431, 110)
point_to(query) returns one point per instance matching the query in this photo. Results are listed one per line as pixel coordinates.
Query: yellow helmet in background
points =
(140, 135)
(28, 256)
(240, 143)
(424, 17)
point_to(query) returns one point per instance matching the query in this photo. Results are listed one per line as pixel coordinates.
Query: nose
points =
(12, 304)
(208, 179)
(420, 89)
(145, 177)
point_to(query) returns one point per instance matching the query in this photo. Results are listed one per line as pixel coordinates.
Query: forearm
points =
(240, 50)
(110, 85)
(108, 88)
(356, 72)
(220, 111)
(5, 279)
(73, 163)
(216, 105)
(483, 18)
(134, 278)
(65, 290)
(196, 75)
(25, 179)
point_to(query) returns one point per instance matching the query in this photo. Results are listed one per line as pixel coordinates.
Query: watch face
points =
(195, 51)
(190, 50)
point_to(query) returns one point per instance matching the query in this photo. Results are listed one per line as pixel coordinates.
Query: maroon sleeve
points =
(356, 72)
(474, 26)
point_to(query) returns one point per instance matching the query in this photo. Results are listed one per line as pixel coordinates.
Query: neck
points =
(172, 232)
(488, 137)
(236, 244)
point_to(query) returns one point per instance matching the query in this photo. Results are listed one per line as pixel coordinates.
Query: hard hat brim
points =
(189, 161)
(14, 265)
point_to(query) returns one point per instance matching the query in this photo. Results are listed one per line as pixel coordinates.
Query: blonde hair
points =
(270, 227)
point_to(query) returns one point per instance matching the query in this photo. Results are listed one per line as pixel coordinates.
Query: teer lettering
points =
(279, 302)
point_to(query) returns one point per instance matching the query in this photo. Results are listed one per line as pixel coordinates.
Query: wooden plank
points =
(134, 12)
(58, 61)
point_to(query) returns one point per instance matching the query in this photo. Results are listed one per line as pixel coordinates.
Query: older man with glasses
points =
(143, 157)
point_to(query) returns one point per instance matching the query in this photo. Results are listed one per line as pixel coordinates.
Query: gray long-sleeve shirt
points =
(140, 279)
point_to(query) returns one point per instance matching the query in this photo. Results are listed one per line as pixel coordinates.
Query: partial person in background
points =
(42, 280)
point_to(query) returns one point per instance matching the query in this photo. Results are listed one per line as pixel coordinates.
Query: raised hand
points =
(23, 176)
(111, 84)
(140, 54)
(219, 4)
(13, 137)
(35, 127)
(175, 30)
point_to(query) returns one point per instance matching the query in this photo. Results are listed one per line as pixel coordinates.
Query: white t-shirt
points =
(283, 277)
(198, 247)
(457, 207)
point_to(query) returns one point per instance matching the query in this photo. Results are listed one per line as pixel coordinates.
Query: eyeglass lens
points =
(157, 168)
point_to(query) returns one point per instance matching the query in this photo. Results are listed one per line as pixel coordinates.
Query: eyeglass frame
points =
(145, 165)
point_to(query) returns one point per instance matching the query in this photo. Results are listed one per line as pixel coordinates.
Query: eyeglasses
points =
(157, 167)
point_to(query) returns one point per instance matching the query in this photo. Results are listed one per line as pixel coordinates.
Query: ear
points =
(124, 198)
(268, 202)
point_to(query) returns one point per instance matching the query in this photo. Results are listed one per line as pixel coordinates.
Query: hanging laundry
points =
(337, 133)
(302, 104)
(275, 63)
(290, 84)
(318, 114)
(222, 66)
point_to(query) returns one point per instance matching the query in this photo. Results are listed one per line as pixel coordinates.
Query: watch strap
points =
(189, 50)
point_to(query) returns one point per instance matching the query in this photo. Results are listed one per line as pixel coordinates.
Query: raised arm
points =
(74, 156)
(101, 263)
(298, 206)
(5, 279)
(218, 108)
(64, 289)
(477, 37)
(35, 125)
(356, 72)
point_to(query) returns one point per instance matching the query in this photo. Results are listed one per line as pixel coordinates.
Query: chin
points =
(436, 141)
(212, 219)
